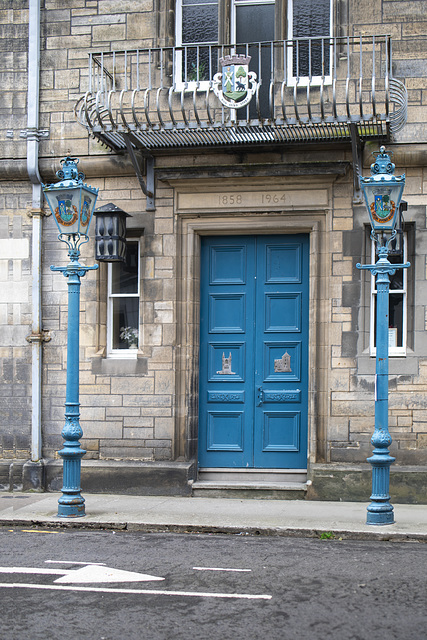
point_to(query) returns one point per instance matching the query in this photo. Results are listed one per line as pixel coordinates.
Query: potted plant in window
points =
(130, 336)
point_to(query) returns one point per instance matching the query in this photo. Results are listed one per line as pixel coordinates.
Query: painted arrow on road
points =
(97, 573)
(91, 573)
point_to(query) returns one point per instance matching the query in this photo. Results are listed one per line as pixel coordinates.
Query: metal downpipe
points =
(36, 211)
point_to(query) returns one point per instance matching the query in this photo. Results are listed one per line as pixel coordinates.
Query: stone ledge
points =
(331, 482)
(353, 483)
(127, 477)
(101, 476)
(120, 367)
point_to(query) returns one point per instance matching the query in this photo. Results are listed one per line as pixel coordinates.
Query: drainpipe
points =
(36, 336)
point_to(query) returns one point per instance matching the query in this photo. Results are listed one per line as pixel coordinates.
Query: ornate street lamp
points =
(382, 192)
(72, 203)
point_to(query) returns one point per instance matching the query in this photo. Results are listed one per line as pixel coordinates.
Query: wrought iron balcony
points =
(326, 89)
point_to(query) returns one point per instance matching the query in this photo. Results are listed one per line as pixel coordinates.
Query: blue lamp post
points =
(382, 192)
(72, 203)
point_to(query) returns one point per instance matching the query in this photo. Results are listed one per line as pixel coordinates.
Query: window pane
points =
(199, 24)
(397, 314)
(201, 64)
(255, 23)
(311, 18)
(395, 317)
(124, 276)
(125, 327)
(396, 280)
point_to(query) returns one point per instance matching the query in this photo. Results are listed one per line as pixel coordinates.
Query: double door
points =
(253, 395)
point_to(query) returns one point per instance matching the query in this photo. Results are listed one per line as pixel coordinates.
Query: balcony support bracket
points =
(357, 151)
(148, 186)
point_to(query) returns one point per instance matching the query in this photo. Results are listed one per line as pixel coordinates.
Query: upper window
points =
(252, 21)
(196, 29)
(199, 20)
(123, 304)
(312, 20)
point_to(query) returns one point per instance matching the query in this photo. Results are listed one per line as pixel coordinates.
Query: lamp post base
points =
(71, 504)
(380, 514)
(71, 507)
(380, 511)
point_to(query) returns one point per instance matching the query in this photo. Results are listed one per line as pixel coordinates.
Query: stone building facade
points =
(112, 89)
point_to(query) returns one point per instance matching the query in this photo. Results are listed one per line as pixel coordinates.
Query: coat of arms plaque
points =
(235, 85)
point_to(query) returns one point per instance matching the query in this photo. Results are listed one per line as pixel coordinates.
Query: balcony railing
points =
(309, 89)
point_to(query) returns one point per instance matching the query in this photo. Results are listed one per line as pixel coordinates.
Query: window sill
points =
(395, 353)
(134, 366)
(123, 354)
(398, 365)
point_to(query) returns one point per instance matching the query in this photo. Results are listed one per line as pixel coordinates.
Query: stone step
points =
(272, 490)
(251, 483)
(252, 475)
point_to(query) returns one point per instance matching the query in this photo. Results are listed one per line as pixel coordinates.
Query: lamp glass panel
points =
(88, 201)
(383, 199)
(65, 206)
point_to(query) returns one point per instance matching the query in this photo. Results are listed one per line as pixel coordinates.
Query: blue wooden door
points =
(253, 392)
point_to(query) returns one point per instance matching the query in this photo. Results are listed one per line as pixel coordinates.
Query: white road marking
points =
(95, 573)
(88, 573)
(219, 569)
(31, 570)
(72, 562)
(193, 594)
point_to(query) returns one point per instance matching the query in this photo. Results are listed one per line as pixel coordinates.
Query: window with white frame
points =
(196, 30)
(397, 332)
(311, 58)
(123, 304)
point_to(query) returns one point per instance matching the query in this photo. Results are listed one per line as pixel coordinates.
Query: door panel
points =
(254, 352)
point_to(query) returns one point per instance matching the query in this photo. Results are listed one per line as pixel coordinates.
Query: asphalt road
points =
(70, 584)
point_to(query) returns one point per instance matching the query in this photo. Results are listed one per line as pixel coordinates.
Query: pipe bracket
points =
(43, 336)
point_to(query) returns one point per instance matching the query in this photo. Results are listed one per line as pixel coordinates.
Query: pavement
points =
(304, 518)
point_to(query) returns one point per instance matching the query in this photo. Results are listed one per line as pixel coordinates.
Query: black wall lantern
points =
(110, 233)
(396, 245)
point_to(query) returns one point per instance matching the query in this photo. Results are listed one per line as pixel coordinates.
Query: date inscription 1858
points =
(246, 199)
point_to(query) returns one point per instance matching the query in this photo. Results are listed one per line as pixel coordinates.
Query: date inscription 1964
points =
(261, 199)
(257, 198)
